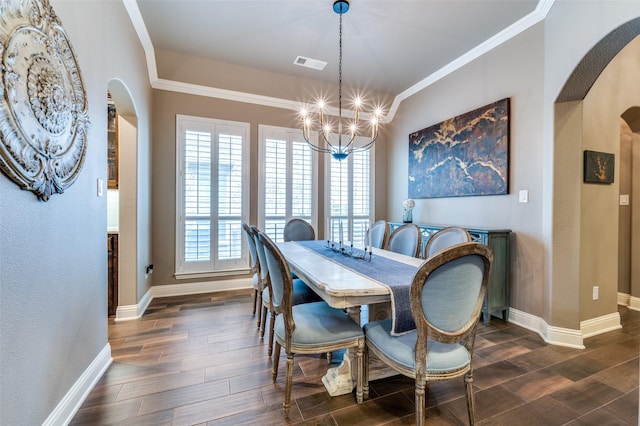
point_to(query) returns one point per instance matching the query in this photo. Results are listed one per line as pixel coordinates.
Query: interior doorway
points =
(123, 200)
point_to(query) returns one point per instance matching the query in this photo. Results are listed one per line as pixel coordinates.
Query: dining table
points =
(349, 278)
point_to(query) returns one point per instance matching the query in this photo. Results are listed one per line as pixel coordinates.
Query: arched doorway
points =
(629, 222)
(586, 215)
(122, 197)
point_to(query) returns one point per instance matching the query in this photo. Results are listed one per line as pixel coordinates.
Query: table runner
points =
(394, 275)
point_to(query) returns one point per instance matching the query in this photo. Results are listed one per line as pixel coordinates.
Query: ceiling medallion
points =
(43, 105)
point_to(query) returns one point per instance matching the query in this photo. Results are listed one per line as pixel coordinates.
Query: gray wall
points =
(513, 70)
(53, 271)
(556, 255)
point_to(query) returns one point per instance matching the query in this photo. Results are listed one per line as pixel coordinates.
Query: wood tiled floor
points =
(199, 360)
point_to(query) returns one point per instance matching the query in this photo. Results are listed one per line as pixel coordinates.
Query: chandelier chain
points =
(340, 85)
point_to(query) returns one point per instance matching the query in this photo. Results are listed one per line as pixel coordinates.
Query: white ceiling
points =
(389, 46)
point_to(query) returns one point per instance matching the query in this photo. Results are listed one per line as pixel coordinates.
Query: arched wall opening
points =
(586, 216)
(124, 198)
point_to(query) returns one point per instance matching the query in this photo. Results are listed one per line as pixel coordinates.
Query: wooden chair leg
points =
(360, 366)
(259, 298)
(276, 361)
(365, 372)
(471, 405)
(264, 320)
(272, 326)
(420, 402)
(255, 302)
(288, 382)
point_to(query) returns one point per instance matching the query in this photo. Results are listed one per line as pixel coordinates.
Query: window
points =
(349, 190)
(287, 187)
(212, 195)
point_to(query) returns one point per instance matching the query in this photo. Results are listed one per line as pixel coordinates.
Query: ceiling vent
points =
(310, 63)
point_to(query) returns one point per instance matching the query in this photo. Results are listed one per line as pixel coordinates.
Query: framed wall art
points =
(43, 106)
(598, 167)
(466, 155)
(112, 145)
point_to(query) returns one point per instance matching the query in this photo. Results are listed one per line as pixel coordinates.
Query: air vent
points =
(310, 63)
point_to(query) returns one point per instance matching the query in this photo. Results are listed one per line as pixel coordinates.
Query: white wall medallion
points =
(43, 106)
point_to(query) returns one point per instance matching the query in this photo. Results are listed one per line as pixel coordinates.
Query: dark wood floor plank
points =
(184, 395)
(160, 384)
(536, 384)
(213, 409)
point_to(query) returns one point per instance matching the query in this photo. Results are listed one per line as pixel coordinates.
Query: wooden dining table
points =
(343, 288)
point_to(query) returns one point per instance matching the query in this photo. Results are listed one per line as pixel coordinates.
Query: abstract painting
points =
(598, 167)
(462, 156)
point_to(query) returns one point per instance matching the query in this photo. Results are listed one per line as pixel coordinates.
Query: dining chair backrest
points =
(406, 240)
(298, 230)
(279, 276)
(264, 269)
(378, 235)
(252, 247)
(446, 237)
(448, 291)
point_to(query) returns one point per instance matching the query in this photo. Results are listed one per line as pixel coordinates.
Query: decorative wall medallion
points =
(43, 107)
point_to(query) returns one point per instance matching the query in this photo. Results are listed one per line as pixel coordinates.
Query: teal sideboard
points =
(497, 298)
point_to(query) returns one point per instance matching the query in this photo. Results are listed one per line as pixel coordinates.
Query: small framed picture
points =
(598, 167)
(112, 145)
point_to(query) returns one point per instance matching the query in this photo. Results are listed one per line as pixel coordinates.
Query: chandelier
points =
(339, 149)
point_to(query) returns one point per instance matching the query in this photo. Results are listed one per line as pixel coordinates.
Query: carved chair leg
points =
(420, 402)
(360, 367)
(288, 382)
(471, 404)
(276, 362)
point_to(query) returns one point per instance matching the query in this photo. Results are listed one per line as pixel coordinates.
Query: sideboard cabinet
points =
(497, 298)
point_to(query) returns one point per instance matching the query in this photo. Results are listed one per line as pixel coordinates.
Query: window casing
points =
(287, 186)
(212, 190)
(349, 195)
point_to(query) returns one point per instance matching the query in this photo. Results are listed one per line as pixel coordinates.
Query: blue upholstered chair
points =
(255, 268)
(301, 292)
(378, 235)
(444, 238)
(406, 239)
(309, 328)
(298, 230)
(446, 299)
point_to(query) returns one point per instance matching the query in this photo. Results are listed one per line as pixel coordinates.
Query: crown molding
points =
(538, 15)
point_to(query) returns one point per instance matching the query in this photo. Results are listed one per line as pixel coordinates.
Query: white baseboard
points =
(634, 303)
(599, 325)
(70, 404)
(131, 312)
(623, 299)
(552, 335)
(201, 287)
(565, 336)
(631, 302)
